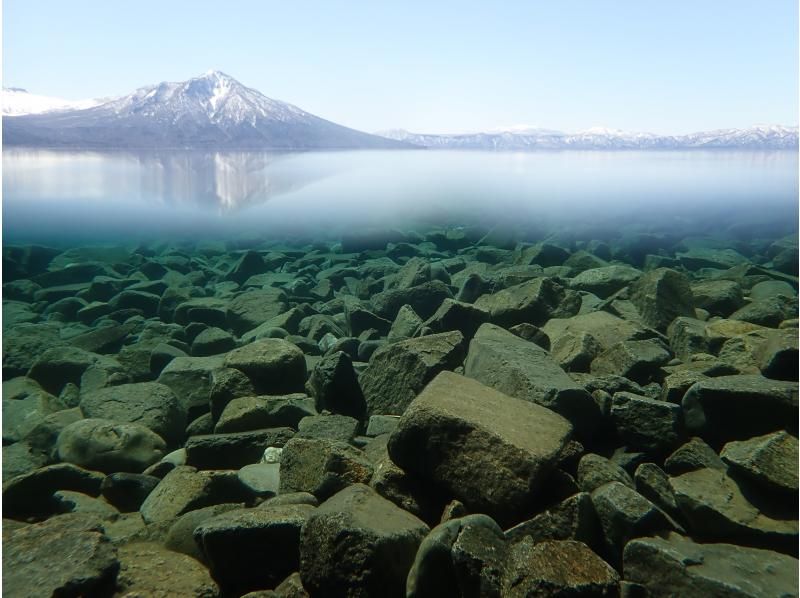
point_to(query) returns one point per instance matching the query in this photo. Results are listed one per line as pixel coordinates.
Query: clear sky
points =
(672, 66)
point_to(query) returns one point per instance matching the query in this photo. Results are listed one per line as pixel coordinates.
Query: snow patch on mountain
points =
(18, 101)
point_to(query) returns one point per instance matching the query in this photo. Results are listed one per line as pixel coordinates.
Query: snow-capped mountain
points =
(521, 139)
(17, 101)
(212, 111)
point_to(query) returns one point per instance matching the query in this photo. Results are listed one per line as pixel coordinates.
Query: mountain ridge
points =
(755, 137)
(211, 111)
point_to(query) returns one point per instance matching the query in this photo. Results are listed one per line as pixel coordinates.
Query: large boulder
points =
(399, 371)
(662, 295)
(535, 302)
(108, 446)
(487, 449)
(677, 566)
(252, 549)
(769, 460)
(460, 557)
(523, 370)
(556, 568)
(148, 569)
(358, 544)
(647, 424)
(335, 386)
(251, 308)
(274, 366)
(150, 404)
(606, 280)
(740, 407)
(191, 378)
(716, 508)
(64, 556)
(322, 467)
(32, 492)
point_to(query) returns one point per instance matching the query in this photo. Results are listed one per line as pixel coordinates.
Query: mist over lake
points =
(61, 195)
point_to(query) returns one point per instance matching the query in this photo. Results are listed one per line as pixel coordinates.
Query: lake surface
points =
(57, 196)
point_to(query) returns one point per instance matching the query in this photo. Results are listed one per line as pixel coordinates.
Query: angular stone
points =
(148, 569)
(233, 450)
(150, 404)
(595, 471)
(740, 407)
(59, 558)
(405, 325)
(605, 281)
(108, 446)
(461, 557)
(694, 454)
(525, 371)
(31, 493)
(535, 302)
(571, 519)
(484, 448)
(677, 566)
(456, 315)
(359, 544)
(254, 413)
(331, 427)
(184, 489)
(662, 295)
(263, 479)
(273, 365)
(249, 549)
(647, 424)
(715, 508)
(251, 308)
(719, 297)
(398, 372)
(652, 483)
(227, 384)
(334, 385)
(639, 361)
(625, 514)
(424, 299)
(180, 537)
(190, 378)
(322, 467)
(769, 460)
(557, 568)
(127, 491)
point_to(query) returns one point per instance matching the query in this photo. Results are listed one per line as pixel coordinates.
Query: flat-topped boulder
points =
(487, 449)
(274, 366)
(523, 370)
(535, 302)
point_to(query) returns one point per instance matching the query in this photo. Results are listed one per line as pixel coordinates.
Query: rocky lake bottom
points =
(450, 411)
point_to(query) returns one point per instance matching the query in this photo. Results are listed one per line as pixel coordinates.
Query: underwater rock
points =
(523, 370)
(739, 407)
(127, 491)
(335, 386)
(274, 366)
(257, 412)
(557, 568)
(328, 426)
(109, 446)
(233, 450)
(398, 372)
(595, 471)
(650, 425)
(769, 460)
(250, 549)
(360, 544)
(468, 440)
(461, 557)
(322, 467)
(535, 302)
(67, 555)
(662, 295)
(640, 361)
(573, 518)
(148, 569)
(149, 404)
(677, 566)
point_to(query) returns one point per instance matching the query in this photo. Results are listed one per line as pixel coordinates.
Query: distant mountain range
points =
(216, 112)
(757, 137)
(212, 111)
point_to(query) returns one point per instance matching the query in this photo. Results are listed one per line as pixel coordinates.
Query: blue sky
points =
(640, 65)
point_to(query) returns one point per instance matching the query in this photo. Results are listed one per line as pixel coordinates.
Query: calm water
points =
(52, 196)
